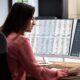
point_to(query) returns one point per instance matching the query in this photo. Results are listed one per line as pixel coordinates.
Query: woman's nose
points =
(34, 22)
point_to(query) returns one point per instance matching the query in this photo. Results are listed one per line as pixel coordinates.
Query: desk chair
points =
(4, 70)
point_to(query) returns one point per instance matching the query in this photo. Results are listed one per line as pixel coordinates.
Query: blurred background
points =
(55, 36)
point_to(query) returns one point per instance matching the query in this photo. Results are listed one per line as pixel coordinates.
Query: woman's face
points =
(30, 25)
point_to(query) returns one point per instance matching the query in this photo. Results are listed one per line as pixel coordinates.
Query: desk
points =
(68, 65)
(61, 65)
(71, 78)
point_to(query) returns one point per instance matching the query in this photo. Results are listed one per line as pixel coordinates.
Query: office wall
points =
(78, 10)
(3, 10)
(74, 9)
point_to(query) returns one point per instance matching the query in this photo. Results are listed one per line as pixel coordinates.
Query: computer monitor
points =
(75, 49)
(51, 36)
(52, 40)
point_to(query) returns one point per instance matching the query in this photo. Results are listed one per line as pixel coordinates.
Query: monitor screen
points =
(51, 36)
(75, 49)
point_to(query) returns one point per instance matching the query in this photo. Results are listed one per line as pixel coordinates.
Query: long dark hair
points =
(19, 15)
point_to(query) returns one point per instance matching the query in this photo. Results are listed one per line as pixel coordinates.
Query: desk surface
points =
(71, 78)
(62, 65)
(68, 65)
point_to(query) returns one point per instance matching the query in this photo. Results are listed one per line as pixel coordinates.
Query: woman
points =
(21, 59)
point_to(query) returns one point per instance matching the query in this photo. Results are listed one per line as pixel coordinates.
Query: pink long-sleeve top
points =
(22, 61)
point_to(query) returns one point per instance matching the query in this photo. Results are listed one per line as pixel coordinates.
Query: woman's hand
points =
(62, 72)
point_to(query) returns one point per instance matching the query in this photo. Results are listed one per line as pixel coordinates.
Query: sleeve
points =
(28, 60)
